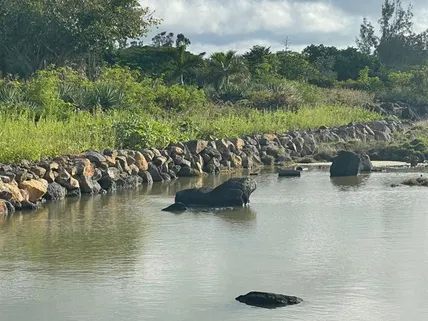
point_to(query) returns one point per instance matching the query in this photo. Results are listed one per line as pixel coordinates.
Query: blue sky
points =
(218, 25)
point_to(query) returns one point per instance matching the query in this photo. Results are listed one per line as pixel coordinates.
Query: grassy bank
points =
(23, 138)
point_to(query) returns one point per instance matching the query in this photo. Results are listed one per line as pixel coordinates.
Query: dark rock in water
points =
(268, 300)
(345, 164)
(289, 173)
(154, 172)
(234, 192)
(176, 207)
(147, 177)
(365, 163)
(55, 192)
(254, 174)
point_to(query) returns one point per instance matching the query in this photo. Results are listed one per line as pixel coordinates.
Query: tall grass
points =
(23, 138)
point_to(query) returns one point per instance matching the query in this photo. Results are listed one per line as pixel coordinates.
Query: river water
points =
(352, 249)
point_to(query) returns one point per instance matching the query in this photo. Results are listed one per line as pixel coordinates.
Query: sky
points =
(220, 25)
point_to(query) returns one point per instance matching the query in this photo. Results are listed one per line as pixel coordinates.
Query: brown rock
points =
(176, 150)
(141, 161)
(134, 169)
(235, 160)
(35, 188)
(10, 191)
(84, 167)
(3, 208)
(238, 142)
(49, 165)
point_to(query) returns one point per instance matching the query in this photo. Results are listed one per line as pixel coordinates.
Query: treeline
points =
(389, 62)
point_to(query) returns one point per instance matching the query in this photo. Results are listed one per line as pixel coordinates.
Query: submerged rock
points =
(345, 164)
(288, 173)
(176, 207)
(268, 300)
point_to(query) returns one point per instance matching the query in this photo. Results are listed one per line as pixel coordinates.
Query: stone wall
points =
(27, 185)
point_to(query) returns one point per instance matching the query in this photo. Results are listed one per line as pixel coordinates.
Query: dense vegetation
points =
(72, 79)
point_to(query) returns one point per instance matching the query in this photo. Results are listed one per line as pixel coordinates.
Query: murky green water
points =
(353, 250)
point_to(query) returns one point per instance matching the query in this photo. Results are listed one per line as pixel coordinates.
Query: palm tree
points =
(225, 65)
(184, 61)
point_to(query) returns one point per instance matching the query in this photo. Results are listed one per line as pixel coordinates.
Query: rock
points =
(122, 164)
(365, 163)
(10, 191)
(154, 172)
(146, 176)
(196, 146)
(141, 162)
(84, 167)
(408, 113)
(211, 152)
(288, 173)
(234, 192)
(159, 161)
(50, 176)
(224, 146)
(65, 180)
(148, 154)
(188, 172)
(176, 207)
(268, 300)
(55, 192)
(95, 157)
(86, 184)
(35, 188)
(345, 164)
(239, 143)
(3, 208)
(235, 160)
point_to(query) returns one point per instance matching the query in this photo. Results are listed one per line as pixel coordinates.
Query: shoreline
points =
(27, 185)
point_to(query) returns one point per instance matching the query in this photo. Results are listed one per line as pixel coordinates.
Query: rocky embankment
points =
(27, 185)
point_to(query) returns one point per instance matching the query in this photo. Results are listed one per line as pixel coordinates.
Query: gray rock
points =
(365, 163)
(345, 164)
(268, 300)
(55, 192)
(95, 157)
(175, 208)
(234, 192)
(154, 172)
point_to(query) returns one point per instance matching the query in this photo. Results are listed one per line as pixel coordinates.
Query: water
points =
(353, 250)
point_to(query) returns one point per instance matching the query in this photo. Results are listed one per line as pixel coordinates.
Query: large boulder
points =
(365, 163)
(345, 164)
(234, 192)
(268, 300)
(35, 188)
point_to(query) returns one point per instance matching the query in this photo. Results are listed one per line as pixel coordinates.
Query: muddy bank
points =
(25, 186)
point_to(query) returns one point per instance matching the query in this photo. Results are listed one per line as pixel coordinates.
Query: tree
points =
(163, 39)
(294, 66)
(260, 61)
(37, 33)
(225, 65)
(398, 45)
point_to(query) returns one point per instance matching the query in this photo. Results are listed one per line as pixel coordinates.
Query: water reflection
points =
(350, 182)
(77, 234)
(237, 215)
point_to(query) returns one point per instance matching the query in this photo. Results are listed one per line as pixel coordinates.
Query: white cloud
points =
(218, 25)
(237, 17)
